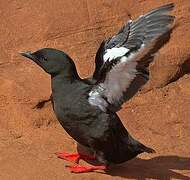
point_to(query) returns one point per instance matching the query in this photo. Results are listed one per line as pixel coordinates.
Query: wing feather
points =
(118, 58)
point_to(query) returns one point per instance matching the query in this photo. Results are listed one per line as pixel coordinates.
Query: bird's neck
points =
(61, 83)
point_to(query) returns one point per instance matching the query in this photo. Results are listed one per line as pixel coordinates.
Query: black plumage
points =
(85, 107)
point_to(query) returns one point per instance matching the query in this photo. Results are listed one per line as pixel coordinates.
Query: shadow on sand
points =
(161, 167)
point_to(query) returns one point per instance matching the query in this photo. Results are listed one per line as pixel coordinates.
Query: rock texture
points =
(158, 116)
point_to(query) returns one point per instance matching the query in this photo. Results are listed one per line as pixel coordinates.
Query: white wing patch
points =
(116, 81)
(122, 74)
(115, 52)
(119, 78)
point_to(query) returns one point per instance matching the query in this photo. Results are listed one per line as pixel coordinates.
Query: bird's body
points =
(86, 108)
(88, 125)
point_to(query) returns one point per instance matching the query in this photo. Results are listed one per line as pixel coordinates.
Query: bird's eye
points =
(44, 58)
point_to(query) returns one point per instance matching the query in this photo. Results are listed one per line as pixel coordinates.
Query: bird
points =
(87, 108)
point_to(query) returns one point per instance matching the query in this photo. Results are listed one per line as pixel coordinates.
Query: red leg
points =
(82, 169)
(74, 157)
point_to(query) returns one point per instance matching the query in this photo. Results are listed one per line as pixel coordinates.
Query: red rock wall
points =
(158, 116)
(77, 27)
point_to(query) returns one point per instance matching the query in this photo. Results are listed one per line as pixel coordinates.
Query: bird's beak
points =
(28, 54)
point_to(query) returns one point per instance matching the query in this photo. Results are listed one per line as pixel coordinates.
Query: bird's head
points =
(52, 61)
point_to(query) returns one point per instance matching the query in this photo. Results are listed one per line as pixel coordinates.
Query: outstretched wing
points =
(118, 64)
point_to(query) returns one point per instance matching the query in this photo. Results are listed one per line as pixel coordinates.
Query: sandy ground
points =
(158, 116)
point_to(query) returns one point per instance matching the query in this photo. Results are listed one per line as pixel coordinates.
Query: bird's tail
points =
(146, 149)
(139, 147)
